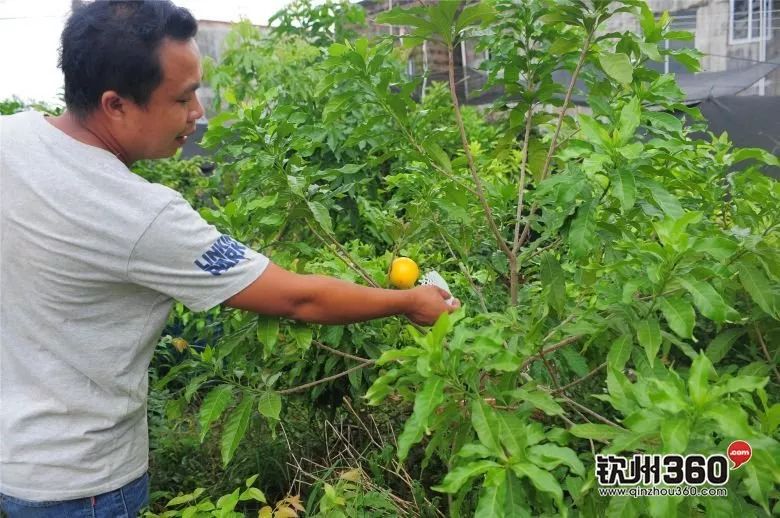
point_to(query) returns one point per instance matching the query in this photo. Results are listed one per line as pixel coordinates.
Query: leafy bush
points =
(620, 277)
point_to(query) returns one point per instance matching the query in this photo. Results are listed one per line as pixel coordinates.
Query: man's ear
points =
(113, 105)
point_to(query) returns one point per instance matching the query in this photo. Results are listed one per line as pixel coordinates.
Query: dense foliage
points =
(620, 278)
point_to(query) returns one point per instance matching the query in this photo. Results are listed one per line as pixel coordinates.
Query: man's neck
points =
(90, 131)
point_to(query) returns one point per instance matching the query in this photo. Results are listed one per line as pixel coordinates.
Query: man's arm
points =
(327, 300)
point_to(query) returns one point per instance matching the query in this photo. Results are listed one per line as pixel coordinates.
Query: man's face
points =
(162, 126)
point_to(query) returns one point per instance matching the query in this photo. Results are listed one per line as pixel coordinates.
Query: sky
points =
(30, 31)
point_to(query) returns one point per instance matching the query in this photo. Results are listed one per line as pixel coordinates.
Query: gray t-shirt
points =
(91, 259)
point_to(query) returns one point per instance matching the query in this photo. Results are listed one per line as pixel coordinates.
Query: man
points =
(93, 257)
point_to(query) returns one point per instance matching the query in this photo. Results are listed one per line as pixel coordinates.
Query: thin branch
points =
(514, 273)
(579, 380)
(464, 270)
(556, 328)
(421, 150)
(521, 188)
(766, 352)
(540, 355)
(346, 258)
(550, 371)
(472, 168)
(340, 353)
(587, 410)
(543, 249)
(566, 100)
(301, 388)
(554, 142)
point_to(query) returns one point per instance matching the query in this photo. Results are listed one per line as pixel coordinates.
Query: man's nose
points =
(197, 110)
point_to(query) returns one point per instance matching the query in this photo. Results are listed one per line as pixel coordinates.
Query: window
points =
(745, 20)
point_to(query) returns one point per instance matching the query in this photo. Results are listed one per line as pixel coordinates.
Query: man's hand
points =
(428, 302)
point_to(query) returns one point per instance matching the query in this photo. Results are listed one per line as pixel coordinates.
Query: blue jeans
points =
(125, 502)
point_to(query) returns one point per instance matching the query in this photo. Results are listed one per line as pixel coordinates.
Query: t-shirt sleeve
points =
(184, 257)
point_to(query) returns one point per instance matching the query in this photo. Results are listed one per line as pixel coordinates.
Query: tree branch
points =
(340, 353)
(472, 168)
(579, 380)
(540, 355)
(766, 352)
(559, 124)
(346, 258)
(301, 388)
(587, 410)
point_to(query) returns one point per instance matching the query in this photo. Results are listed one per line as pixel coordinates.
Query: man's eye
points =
(183, 101)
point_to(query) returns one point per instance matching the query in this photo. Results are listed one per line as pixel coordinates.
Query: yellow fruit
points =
(404, 273)
(179, 344)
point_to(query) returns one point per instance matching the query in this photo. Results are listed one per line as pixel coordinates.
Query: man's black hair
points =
(113, 45)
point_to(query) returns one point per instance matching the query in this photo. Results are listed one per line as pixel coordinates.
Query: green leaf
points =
(539, 399)
(593, 130)
(601, 432)
(542, 480)
(582, 234)
(516, 501)
(513, 434)
(741, 383)
(698, 379)
(267, 333)
(619, 352)
(629, 120)
(263, 202)
(707, 300)
(617, 66)
(623, 187)
(648, 334)
(575, 361)
(664, 121)
(717, 247)
(321, 215)
(270, 405)
(337, 49)
(214, 404)
(760, 289)
(758, 486)
(303, 335)
(553, 281)
(439, 156)
(485, 423)
(492, 499)
(549, 456)
(679, 315)
(462, 474)
(183, 499)
(665, 200)
(650, 50)
(253, 493)
(427, 399)
(759, 154)
(225, 504)
(473, 14)
(350, 169)
(235, 428)
(721, 344)
(473, 449)
(675, 432)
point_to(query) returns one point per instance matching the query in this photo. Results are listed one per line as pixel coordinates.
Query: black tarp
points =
(750, 121)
